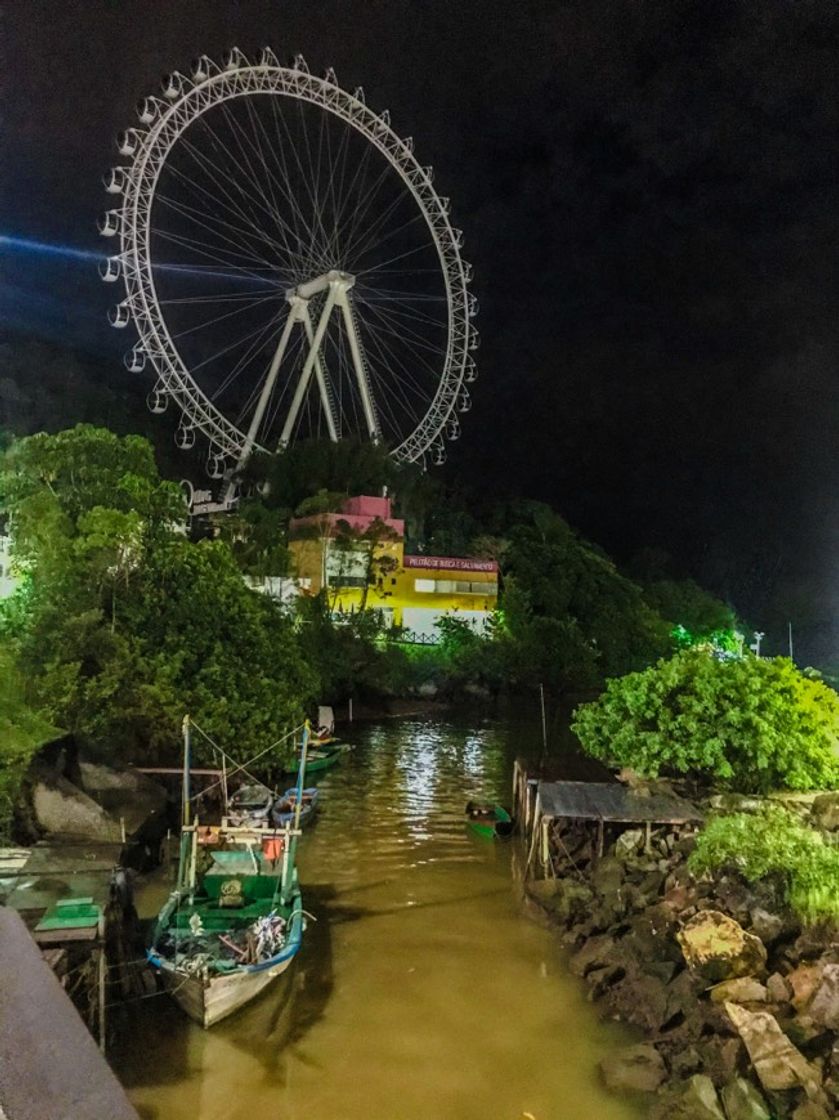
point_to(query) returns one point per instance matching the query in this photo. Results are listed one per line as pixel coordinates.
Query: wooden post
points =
(102, 975)
(600, 831)
(350, 709)
(647, 837)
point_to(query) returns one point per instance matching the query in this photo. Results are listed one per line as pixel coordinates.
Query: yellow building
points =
(358, 555)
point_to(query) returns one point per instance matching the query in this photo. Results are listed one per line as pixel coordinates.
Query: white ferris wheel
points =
(289, 268)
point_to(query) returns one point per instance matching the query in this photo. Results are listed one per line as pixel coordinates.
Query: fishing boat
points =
(490, 821)
(284, 808)
(234, 923)
(250, 805)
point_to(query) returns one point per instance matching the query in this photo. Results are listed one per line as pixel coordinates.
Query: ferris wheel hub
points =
(333, 278)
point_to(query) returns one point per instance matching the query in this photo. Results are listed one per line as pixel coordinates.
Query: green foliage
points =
(123, 624)
(350, 466)
(22, 731)
(695, 615)
(754, 724)
(571, 618)
(774, 842)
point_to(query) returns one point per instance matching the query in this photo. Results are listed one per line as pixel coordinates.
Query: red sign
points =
(451, 563)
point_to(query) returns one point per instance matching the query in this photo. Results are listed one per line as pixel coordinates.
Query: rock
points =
(573, 902)
(640, 999)
(742, 1101)
(638, 1068)
(777, 989)
(824, 1006)
(744, 989)
(700, 1099)
(776, 1061)
(685, 1062)
(607, 877)
(722, 1058)
(804, 980)
(824, 813)
(629, 843)
(809, 1110)
(599, 979)
(61, 807)
(594, 954)
(813, 941)
(718, 948)
(735, 803)
(768, 927)
(543, 889)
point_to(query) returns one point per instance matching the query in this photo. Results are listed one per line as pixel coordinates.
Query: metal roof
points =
(612, 802)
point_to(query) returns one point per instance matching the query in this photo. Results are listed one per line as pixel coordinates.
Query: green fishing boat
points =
(235, 920)
(489, 821)
(319, 760)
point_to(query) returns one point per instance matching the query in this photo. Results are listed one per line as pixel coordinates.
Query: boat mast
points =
(185, 814)
(291, 850)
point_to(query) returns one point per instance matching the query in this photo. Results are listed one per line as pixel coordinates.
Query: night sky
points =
(648, 193)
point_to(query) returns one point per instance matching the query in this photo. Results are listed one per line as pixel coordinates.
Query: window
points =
(426, 585)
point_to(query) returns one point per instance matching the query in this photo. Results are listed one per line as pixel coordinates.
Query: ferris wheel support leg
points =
(306, 372)
(295, 313)
(320, 377)
(360, 371)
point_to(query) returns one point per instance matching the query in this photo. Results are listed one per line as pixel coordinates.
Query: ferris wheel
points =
(289, 268)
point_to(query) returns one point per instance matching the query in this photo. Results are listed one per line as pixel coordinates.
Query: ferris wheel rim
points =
(167, 123)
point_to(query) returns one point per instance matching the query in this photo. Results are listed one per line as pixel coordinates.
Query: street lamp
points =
(758, 638)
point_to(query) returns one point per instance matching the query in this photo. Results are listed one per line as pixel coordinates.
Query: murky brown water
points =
(421, 992)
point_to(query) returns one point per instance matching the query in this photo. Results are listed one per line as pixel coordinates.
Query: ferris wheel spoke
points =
(352, 206)
(386, 318)
(202, 249)
(387, 361)
(403, 308)
(314, 180)
(196, 218)
(335, 183)
(275, 184)
(382, 336)
(257, 340)
(399, 256)
(357, 238)
(241, 137)
(220, 353)
(227, 315)
(280, 122)
(215, 176)
(232, 297)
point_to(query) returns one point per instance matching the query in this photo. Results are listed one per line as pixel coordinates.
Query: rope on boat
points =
(240, 766)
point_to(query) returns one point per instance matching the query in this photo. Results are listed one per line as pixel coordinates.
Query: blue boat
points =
(282, 813)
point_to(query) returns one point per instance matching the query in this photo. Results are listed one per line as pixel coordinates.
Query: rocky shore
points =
(738, 1004)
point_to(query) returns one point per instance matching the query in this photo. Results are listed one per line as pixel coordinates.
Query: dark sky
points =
(649, 196)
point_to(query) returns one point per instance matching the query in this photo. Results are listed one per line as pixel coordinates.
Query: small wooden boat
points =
(490, 821)
(282, 813)
(250, 805)
(320, 760)
(227, 932)
(235, 919)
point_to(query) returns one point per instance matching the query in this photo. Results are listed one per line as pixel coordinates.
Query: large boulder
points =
(716, 947)
(742, 1101)
(777, 1063)
(638, 1068)
(60, 807)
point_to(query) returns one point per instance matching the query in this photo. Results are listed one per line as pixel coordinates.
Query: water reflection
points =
(421, 992)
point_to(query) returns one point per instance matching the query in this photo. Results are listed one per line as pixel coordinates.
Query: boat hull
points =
(209, 1001)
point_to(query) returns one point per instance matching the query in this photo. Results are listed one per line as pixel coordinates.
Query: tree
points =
(122, 623)
(570, 618)
(695, 615)
(754, 724)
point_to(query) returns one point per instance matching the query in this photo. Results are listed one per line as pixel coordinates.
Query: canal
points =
(422, 993)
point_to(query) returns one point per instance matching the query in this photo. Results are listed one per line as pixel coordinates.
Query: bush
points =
(774, 842)
(752, 724)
